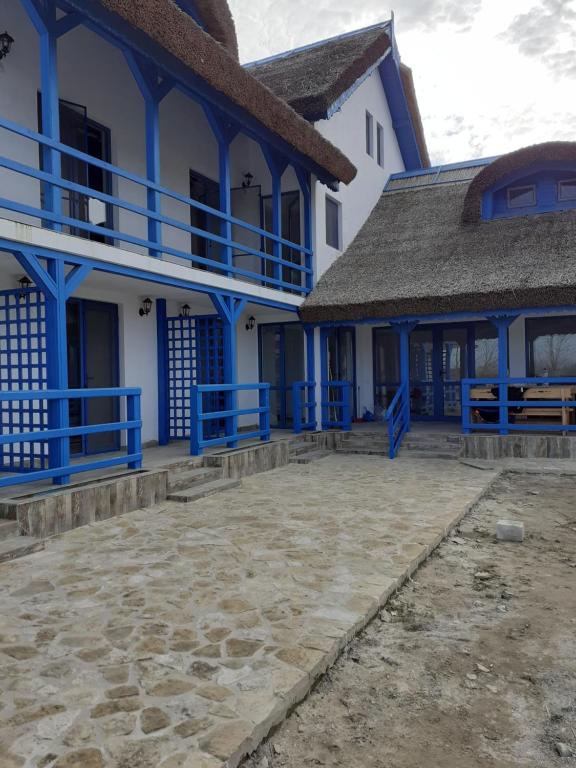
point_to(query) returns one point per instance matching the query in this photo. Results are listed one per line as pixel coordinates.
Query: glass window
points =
(332, 222)
(551, 346)
(369, 134)
(567, 190)
(485, 351)
(380, 145)
(521, 197)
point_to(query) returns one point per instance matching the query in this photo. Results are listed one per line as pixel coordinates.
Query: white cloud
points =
(490, 76)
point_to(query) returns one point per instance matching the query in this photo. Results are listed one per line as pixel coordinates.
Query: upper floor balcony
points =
(106, 136)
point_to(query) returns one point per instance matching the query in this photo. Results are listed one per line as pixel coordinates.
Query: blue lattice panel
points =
(23, 367)
(195, 356)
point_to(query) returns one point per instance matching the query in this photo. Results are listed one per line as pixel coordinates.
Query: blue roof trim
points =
(446, 167)
(189, 7)
(317, 44)
(339, 103)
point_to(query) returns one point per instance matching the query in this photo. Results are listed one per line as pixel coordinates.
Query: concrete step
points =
(309, 457)
(363, 450)
(414, 454)
(417, 446)
(296, 449)
(178, 481)
(18, 546)
(183, 464)
(8, 528)
(201, 490)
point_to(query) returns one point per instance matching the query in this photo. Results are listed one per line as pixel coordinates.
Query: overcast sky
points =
(491, 75)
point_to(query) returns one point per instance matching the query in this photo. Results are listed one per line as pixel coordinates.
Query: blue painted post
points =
(466, 420)
(347, 407)
(57, 367)
(502, 323)
(162, 353)
(297, 391)
(310, 392)
(264, 402)
(231, 376)
(225, 199)
(196, 431)
(404, 329)
(134, 440)
(324, 375)
(277, 165)
(306, 188)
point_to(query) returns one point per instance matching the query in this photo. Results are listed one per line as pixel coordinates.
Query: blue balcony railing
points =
(293, 274)
(208, 394)
(519, 404)
(36, 441)
(304, 405)
(398, 419)
(337, 405)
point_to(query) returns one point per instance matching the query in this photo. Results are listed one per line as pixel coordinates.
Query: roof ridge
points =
(317, 44)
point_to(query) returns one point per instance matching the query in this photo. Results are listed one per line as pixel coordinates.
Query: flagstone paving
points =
(175, 637)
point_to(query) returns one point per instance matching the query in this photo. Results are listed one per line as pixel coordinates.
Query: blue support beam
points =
(153, 89)
(502, 323)
(306, 189)
(229, 309)
(277, 164)
(404, 329)
(310, 393)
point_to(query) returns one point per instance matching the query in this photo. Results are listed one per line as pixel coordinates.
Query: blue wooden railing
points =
(304, 405)
(500, 407)
(337, 413)
(39, 438)
(229, 417)
(398, 419)
(299, 273)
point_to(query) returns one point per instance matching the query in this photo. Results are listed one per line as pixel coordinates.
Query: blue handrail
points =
(132, 425)
(398, 419)
(228, 415)
(304, 405)
(501, 405)
(337, 414)
(153, 246)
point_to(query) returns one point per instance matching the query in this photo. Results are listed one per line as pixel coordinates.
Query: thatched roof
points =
(163, 23)
(218, 22)
(313, 78)
(415, 255)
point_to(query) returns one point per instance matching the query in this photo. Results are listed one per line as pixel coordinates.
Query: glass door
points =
(281, 364)
(453, 344)
(341, 354)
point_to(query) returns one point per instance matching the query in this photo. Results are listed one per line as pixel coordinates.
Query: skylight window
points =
(567, 190)
(521, 197)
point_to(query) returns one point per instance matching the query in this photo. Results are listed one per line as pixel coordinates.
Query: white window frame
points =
(559, 187)
(522, 187)
(338, 205)
(369, 133)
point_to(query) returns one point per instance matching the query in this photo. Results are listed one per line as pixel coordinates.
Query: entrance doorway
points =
(92, 329)
(281, 364)
(440, 357)
(341, 359)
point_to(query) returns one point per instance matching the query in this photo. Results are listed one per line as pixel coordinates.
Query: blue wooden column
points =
(57, 287)
(162, 355)
(153, 89)
(306, 189)
(502, 323)
(225, 131)
(404, 329)
(277, 164)
(229, 309)
(310, 392)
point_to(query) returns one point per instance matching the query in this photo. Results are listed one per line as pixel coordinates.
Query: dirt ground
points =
(473, 663)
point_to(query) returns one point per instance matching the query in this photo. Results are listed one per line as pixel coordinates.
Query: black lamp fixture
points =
(185, 310)
(25, 284)
(248, 179)
(251, 323)
(146, 307)
(6, 41)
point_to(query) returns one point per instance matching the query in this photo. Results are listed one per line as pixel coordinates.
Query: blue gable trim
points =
(338, 104)
(441, 168)
(189, 7)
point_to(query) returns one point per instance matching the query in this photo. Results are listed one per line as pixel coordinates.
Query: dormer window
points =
(567, 190)
(522, 197)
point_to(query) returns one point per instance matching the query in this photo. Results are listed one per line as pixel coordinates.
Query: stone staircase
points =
(303, 451)
(416, 445)
(189, 481)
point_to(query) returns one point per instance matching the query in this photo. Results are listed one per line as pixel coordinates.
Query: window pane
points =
(332, 223)
(380, 144)
(551, 346)
(369, 134)
(567, 190)
(519, 197)
(485, 351)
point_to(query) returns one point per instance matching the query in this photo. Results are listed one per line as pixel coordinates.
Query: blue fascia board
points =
(317, 44)
(117, 31)
(189, 7)
(401, 118)
(12, 246)
(341, 100)
(441, 168)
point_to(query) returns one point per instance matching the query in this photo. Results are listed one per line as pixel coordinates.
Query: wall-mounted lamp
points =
(6, 41)
(185, 310)
(251, 323)
(248, 179)
(25, 284)
(146, 308)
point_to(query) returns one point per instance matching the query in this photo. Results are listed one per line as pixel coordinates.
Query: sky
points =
(491, 75)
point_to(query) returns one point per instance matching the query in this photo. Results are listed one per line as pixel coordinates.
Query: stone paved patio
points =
(176, 637)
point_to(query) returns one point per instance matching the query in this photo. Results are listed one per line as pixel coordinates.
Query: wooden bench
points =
(564, 415)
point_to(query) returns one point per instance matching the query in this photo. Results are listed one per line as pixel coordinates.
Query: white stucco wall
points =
(347, 130)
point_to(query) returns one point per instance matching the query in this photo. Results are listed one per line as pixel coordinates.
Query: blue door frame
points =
(437, 381)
